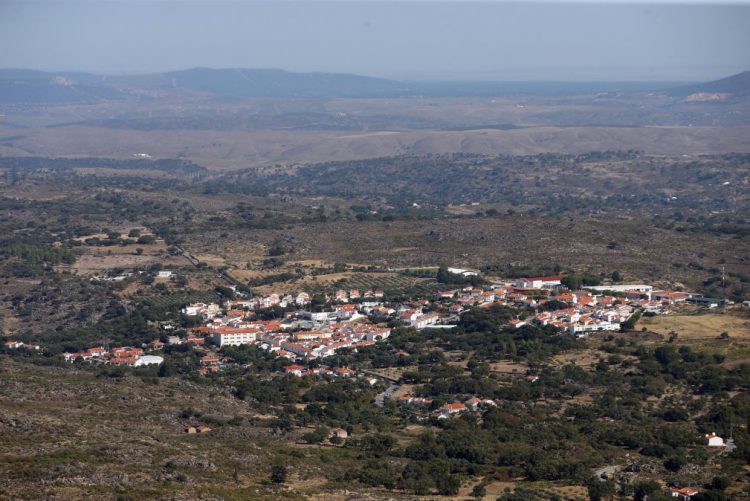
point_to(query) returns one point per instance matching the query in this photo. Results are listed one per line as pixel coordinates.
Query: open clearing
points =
(695, 327)
(99, 259)
(509, 367)
(586, 359)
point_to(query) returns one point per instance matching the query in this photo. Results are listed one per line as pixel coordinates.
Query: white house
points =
(714, 440)
(302, 299)
(683, 494)
(202, 309)
(426, 320)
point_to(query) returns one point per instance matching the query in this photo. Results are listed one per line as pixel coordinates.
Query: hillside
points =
(736, 85)
(27, 86)
(233, 149)
(238, 82)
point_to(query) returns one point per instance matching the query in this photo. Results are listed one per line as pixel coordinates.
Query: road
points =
(195, 261)
(380, 397)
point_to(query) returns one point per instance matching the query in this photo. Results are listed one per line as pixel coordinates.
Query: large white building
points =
(463, 272)
(646, 289)
(539, 282)
(222, 339)
(148, 360)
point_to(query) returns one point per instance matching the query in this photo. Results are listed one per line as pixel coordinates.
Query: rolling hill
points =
(735, 86)
(25, 86)
(30, 86)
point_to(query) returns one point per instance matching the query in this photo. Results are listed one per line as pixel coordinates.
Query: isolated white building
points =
(464, 272)
(714, 440)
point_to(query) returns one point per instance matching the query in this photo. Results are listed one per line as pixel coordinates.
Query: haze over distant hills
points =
(245, 117)
(24, 85)
(28, 86)
(735, 85)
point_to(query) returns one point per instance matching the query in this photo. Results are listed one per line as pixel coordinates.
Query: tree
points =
(315, 437)
(616, 277)
(165, 370)
(645, 489)
(447, 485)
(674, 463)
(479, 491)
(278, 474)
(146, 239)
(599, 489)
(574, 281)
(276, 250)
(720, 483)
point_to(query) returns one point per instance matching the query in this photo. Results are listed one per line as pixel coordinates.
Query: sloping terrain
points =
(735, 85)
(230, 149)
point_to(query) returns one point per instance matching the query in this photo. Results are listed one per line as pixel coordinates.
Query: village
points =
(353, 319)
(309, 331)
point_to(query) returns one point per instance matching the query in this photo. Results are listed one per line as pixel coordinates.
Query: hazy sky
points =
(492, 40)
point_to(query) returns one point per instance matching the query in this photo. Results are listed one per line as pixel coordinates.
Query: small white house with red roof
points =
(682, 494)
(294, 370)
(449, 409)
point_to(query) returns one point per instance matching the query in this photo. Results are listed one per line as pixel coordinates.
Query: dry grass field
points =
(699, 327)
(497, 488)
(704, 332)
(586, 359)
(508, 367)
(100, 259)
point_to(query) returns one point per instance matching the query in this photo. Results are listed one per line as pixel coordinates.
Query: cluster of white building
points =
(448, 410)
(14, 345)
(299, 335)
(601, 308)
(348, 320)
(125, 356)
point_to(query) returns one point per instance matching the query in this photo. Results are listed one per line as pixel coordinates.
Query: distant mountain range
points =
(28, 86)
(39, 86)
